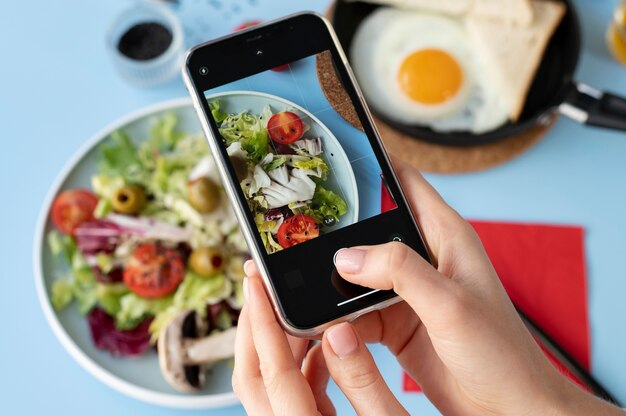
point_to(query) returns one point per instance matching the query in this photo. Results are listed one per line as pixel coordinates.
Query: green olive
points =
(206, 261)
(129, 199)
(240, 166)
(204, 195)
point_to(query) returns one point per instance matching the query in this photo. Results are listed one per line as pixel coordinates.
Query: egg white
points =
(387, 36)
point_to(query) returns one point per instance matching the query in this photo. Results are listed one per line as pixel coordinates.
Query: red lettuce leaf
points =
(105, 336)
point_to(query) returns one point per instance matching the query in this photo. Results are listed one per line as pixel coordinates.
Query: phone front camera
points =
(259, 52)
(204, 71)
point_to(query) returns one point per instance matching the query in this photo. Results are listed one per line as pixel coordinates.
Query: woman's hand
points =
(457, 334)
(269, 376)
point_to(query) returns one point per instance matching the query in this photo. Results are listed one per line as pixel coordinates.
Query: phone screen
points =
(310, 173)
(305, 171)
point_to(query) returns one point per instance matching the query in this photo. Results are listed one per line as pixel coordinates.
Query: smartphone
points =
(302, 163)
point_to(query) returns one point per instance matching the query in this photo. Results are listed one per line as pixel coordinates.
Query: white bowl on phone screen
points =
(341, 179)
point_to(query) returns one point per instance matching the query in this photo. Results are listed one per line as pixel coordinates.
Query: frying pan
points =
(553, 90)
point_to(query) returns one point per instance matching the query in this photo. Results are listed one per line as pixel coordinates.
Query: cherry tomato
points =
(251, 23)
(297, 229)
(72, 208)
(280, 68)
(154, 270)
(246, 25)
(285, 127)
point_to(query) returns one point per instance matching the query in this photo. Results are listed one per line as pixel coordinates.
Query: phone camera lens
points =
(259, 52)
(204, 71)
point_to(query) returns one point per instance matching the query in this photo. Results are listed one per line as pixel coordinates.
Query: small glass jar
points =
(616, 34)
(156, 70)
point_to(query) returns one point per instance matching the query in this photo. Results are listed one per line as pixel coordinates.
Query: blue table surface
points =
(58, 87)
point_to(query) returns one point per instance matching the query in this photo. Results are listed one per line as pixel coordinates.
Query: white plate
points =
(140, 377)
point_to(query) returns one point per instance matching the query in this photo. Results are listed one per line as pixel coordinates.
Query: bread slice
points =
(451, 7)
(512, 53)
(514, 11)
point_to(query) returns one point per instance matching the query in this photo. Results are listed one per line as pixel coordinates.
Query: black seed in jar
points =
(145, 41)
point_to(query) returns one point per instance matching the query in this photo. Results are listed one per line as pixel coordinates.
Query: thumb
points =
(396, 266)
(352, 367)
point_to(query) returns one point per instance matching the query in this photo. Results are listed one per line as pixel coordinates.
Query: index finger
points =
(432, 213)
(247, 380)
(287, 389)
(299, 346)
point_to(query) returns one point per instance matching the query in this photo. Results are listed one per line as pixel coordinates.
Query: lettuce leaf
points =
(109, 296)
(263, 225)
(309, 163)
(248, 129)
(193, 294)
(105, 186)
(61, 244)
(218, 115)
(103, 208)
(163, 134)
(119, 157)
(163, 138)
(275, 163)
(133, 309)
(325, 203)
(62, 294)
(80, 283)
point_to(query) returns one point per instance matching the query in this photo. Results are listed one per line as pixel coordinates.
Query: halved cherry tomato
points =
(72, 208)
(297, 229)
(154, 270)
(285, 127)
(280, 68)
(246, 25)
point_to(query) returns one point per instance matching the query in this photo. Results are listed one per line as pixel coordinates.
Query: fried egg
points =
(421, 69)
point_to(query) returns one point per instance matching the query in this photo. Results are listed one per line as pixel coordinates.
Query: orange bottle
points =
(616, 35)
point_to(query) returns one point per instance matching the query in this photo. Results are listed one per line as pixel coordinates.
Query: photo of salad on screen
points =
(284, 172)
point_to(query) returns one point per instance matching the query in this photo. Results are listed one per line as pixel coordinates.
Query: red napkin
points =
(542, 268)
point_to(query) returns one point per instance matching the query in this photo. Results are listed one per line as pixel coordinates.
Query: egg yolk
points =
(430, 76)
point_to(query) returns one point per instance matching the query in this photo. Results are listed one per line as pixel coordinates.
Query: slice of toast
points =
(451, 7)
(514, 11)
(513, 53)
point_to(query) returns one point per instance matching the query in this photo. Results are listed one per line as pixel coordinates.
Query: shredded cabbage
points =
(248, 129)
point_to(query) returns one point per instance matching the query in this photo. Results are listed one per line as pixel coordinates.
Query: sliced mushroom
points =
(185, 351)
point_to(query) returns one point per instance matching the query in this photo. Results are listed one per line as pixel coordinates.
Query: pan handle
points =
(589, 105)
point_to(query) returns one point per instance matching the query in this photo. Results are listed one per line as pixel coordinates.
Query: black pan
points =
(553, 89)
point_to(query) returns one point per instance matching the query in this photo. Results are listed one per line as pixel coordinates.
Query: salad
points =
(153, 237)
(283, 174)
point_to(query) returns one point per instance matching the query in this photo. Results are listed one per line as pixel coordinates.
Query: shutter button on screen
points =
(396, 237)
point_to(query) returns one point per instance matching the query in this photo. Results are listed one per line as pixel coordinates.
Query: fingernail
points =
(246, 289)
(342, 340)
(349, 260)
(247, 267)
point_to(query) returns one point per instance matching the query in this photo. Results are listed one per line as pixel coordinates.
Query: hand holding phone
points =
(456, 332)
(304, 182)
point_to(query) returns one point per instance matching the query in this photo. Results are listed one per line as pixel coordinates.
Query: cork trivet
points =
(424, 155)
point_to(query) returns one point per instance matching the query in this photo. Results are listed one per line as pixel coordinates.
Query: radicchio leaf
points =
(105, 336)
